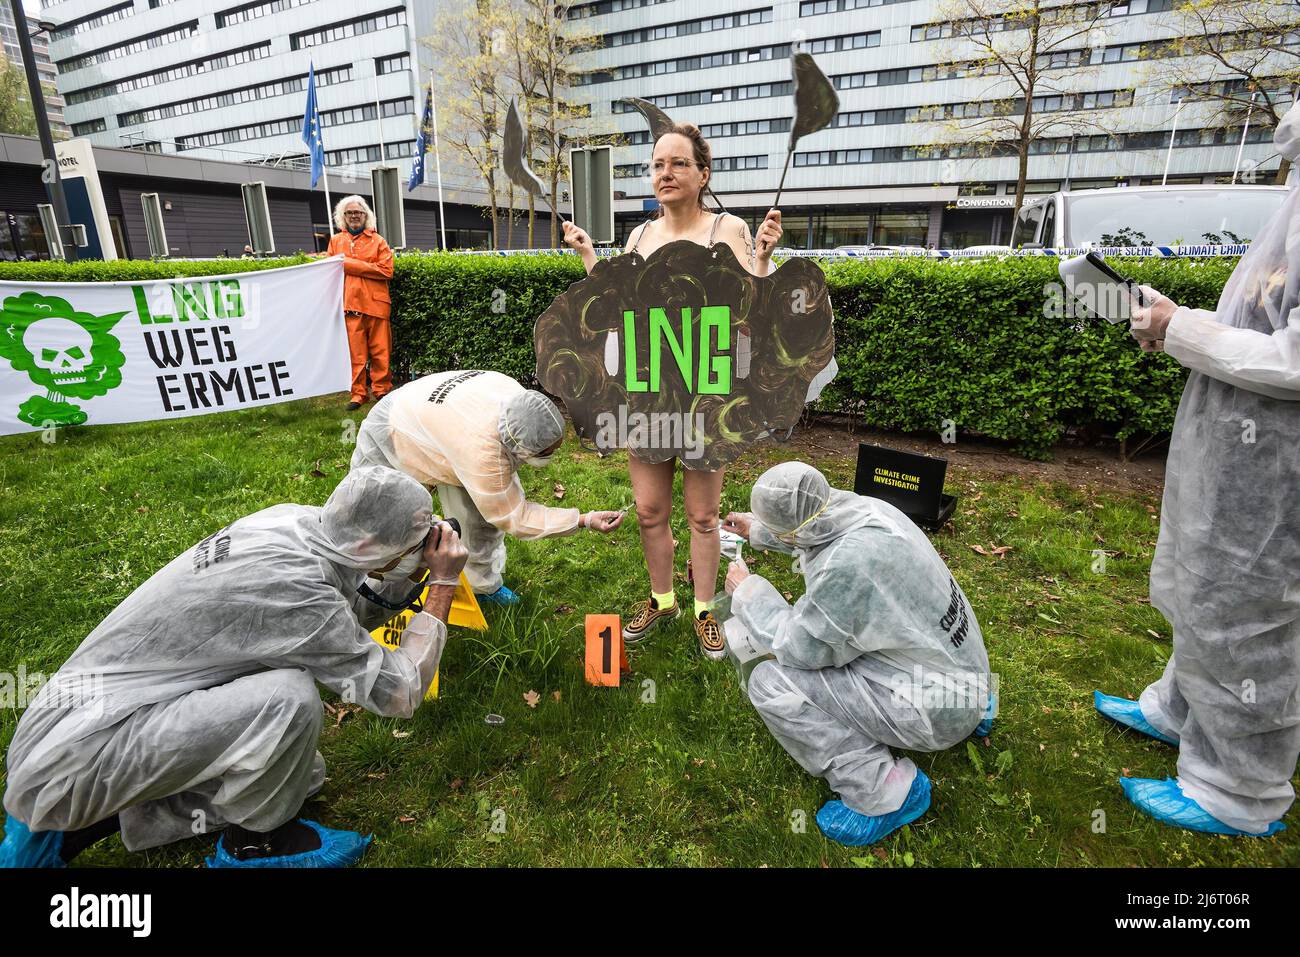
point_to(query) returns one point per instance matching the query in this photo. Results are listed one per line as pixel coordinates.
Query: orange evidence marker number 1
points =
(604, 648)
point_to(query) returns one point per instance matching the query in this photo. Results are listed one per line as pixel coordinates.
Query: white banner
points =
(103, 352)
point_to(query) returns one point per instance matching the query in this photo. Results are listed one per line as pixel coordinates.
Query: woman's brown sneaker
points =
(644, 617)
(712, 644)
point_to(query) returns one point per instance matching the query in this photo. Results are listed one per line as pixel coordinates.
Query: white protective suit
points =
(466, 434)
(1226, 571)
(197, 693)
(883, 649)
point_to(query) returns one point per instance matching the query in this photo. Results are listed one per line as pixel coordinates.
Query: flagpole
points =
(329, 204)
(437, 161)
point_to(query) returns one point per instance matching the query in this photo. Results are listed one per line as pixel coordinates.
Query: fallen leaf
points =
(978, 549)
(1153, 634)
(555, 695)
(377, 777)
(1042, 747)
(559, 490)
(406, 820)
(563, 609)
(531, 698)
(697, 761)
(401, 734)
(1002, 550)
(1123, 772)
(143, 508)
(881, 853)
(455, 785)
(316, 470)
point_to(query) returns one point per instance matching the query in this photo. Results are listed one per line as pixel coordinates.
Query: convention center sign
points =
(101, 352)
(686, 353)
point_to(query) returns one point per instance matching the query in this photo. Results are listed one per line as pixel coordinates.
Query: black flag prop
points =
(514, 158)
(815, 106)
(686, 353)
(661, 123)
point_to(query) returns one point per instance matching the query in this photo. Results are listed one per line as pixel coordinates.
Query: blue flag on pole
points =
(311, 134)
(422, 144)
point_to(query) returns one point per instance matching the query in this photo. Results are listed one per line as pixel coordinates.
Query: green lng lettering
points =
(200, 299)
(710, 375)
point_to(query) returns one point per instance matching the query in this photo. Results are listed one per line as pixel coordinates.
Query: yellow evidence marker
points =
(465, 613)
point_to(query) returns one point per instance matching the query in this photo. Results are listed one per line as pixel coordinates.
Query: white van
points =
(1146, 216)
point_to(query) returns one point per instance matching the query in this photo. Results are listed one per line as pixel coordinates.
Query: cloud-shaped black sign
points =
(686, 339)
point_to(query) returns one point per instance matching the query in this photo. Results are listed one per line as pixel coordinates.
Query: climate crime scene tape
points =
(1151, 252)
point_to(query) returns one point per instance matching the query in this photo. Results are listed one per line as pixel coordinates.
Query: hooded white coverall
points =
(466, 434)
(882, 650)
(1226, 571)
(193, 705)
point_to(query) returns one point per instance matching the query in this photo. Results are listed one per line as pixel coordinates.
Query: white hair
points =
(343, 204)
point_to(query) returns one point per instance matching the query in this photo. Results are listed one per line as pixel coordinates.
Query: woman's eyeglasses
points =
(678, 164)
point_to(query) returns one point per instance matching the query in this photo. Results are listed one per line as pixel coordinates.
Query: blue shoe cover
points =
(1166, 802)
(337, 849)
(502, 596)
(22, 848)
(847, 826)
(985, 727)
(1127, 713)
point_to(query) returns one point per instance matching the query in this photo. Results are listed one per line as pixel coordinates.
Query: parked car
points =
(879, 250)
(1146, 216)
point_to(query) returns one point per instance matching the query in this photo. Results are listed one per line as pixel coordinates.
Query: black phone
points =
(1101, 265)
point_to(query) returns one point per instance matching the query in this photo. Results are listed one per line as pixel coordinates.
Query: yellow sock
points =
(701, 607)
(667, 600)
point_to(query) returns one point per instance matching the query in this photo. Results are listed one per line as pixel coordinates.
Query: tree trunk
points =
(1283, 170)
(510, 217)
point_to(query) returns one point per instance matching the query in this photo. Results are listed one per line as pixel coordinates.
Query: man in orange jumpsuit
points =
(367, 267)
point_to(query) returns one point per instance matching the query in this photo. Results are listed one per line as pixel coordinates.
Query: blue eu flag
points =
(422, 144)
(311, 129)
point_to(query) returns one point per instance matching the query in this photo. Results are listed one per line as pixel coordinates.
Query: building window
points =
(348, 28)
(254, 11)
(730, 163)
(393, 64)
(88, 127)
(88, 23)
(131, 47)
(245, 94)
(194, 68)
(689, 27)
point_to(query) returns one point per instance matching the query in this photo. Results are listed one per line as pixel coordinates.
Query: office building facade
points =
(227, 79)
(890, 170)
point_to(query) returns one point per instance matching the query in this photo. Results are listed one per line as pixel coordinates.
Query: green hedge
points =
(918, 341)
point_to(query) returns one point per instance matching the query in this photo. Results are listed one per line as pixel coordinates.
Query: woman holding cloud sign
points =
(703, 291)
(680, 168)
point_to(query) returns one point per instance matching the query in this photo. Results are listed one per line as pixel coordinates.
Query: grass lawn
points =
(674, 767)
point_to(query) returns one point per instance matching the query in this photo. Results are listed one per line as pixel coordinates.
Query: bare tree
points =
(1031, 52)
(1233, 56)
(469, 65)
(511, 32)
(552, 42)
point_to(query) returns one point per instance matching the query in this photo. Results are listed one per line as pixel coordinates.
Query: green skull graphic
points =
(66, 352)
